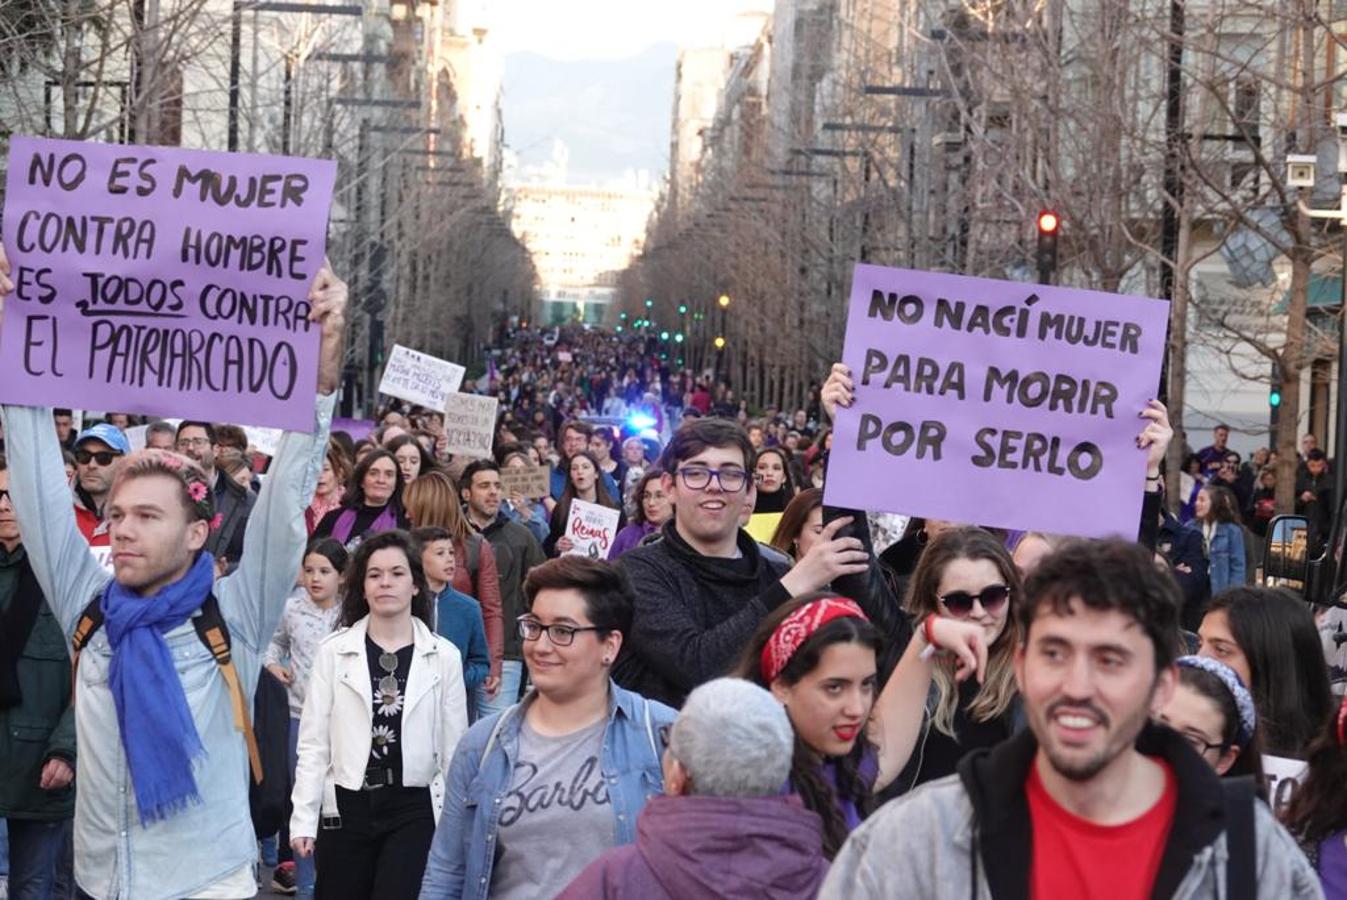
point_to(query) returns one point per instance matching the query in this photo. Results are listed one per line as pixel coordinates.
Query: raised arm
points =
(254, 596)
(60, 556)
(901, 707)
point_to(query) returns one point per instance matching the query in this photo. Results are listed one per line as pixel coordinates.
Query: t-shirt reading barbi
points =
(556, 817)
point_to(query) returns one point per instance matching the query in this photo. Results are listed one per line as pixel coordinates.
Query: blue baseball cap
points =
(108, 434)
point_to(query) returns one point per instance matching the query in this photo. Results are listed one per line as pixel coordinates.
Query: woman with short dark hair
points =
(576, 736)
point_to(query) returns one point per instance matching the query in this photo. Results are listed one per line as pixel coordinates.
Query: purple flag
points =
(996, 403)
(163, 281)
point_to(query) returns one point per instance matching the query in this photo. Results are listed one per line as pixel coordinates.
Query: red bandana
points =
(796, 628)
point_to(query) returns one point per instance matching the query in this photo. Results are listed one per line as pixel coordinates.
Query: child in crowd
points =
(457, 616)
(310, 616)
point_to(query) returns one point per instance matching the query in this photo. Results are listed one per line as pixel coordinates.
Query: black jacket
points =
(233, 504)
(694, 614)
(995, 779)
(516, 552)
(1183, 547)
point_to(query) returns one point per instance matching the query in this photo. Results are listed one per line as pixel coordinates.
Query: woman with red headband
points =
(818, 656)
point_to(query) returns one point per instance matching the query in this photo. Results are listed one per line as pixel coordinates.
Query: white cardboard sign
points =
(591, 529)
(470, 424)
(420, 378)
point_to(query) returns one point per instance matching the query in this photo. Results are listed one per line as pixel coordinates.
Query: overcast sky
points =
(610, 29)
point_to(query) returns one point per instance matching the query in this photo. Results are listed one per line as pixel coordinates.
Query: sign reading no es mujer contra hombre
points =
(163, 281)
(996, 403)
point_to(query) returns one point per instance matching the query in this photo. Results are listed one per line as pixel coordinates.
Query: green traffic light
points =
(649, 303)
(664, 335)
(682, 309)
(622, 316)
(679, 337)
(1275, 399)
(619, 329)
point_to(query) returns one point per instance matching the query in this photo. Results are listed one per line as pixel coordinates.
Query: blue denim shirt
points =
(116, 856)
(464, 848)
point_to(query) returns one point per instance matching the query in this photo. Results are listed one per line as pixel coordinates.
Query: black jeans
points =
(380, 850)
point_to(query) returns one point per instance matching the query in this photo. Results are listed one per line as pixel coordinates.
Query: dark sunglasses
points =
(103, 457)
(960, 603)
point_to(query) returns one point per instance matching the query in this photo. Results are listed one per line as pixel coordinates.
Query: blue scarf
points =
(158, 733)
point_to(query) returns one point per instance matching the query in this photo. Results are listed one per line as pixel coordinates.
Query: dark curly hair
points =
(805, 777)
(1105, 575)
(354, 606)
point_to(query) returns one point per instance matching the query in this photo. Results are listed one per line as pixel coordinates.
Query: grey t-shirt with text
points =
(556, 817)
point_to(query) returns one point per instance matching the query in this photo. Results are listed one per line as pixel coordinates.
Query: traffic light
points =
(649, 303)
(1048, 227)
(622, 316)
(724, 301)
(664, 335)
(678, 338)
(619, 329)
(1274, 396)
(720, 342)
(682, 309)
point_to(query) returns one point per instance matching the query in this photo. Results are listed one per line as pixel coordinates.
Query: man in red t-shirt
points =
(1092, 800)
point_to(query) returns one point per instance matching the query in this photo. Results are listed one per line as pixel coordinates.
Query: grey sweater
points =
(937, 842)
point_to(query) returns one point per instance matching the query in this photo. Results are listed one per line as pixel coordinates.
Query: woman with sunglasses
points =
(384, 710)
(964, 574)
(540, 790)
(819, 656)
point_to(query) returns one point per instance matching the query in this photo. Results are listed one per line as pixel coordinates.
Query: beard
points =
(1118, 739)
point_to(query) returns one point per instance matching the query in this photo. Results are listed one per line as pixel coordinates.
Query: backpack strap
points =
(89, 621)
(1241, 864)
(650, 731)
(495, 733)
(214, 633)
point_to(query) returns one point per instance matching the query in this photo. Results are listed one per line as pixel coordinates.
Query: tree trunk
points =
(1292, 355)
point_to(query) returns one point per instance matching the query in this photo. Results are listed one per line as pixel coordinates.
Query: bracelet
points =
(927, 633)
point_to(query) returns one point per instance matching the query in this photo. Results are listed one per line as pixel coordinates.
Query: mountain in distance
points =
(613, 115)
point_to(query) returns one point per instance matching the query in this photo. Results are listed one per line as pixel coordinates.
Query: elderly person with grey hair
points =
(723, 828)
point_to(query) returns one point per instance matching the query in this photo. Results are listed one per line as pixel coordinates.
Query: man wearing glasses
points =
(233, 501)
(97, 451)
(704, 587)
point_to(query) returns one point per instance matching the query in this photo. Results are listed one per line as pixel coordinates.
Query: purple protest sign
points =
(162, 281)
(996, 403)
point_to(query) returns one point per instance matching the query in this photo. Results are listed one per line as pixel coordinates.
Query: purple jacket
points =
(764, 847)
(629, 537)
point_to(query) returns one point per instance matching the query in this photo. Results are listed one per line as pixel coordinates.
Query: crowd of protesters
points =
(756, 694)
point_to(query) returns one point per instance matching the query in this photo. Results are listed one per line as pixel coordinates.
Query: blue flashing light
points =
(639, 421)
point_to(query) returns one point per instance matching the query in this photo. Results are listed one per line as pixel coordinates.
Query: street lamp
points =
(724, 301)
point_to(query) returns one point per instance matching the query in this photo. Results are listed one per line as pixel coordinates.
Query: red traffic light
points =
(1048, 222)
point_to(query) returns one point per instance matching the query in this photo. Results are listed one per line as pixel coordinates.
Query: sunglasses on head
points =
(959, 604)
(102, 457)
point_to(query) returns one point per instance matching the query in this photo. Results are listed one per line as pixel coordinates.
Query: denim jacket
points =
(115, 856)
(464, 848)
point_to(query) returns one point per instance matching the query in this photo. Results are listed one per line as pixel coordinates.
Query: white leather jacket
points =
(335, 728)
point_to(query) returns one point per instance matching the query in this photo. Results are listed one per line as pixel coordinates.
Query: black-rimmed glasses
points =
(1200, 743)
(698, 478)
(560, 635)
